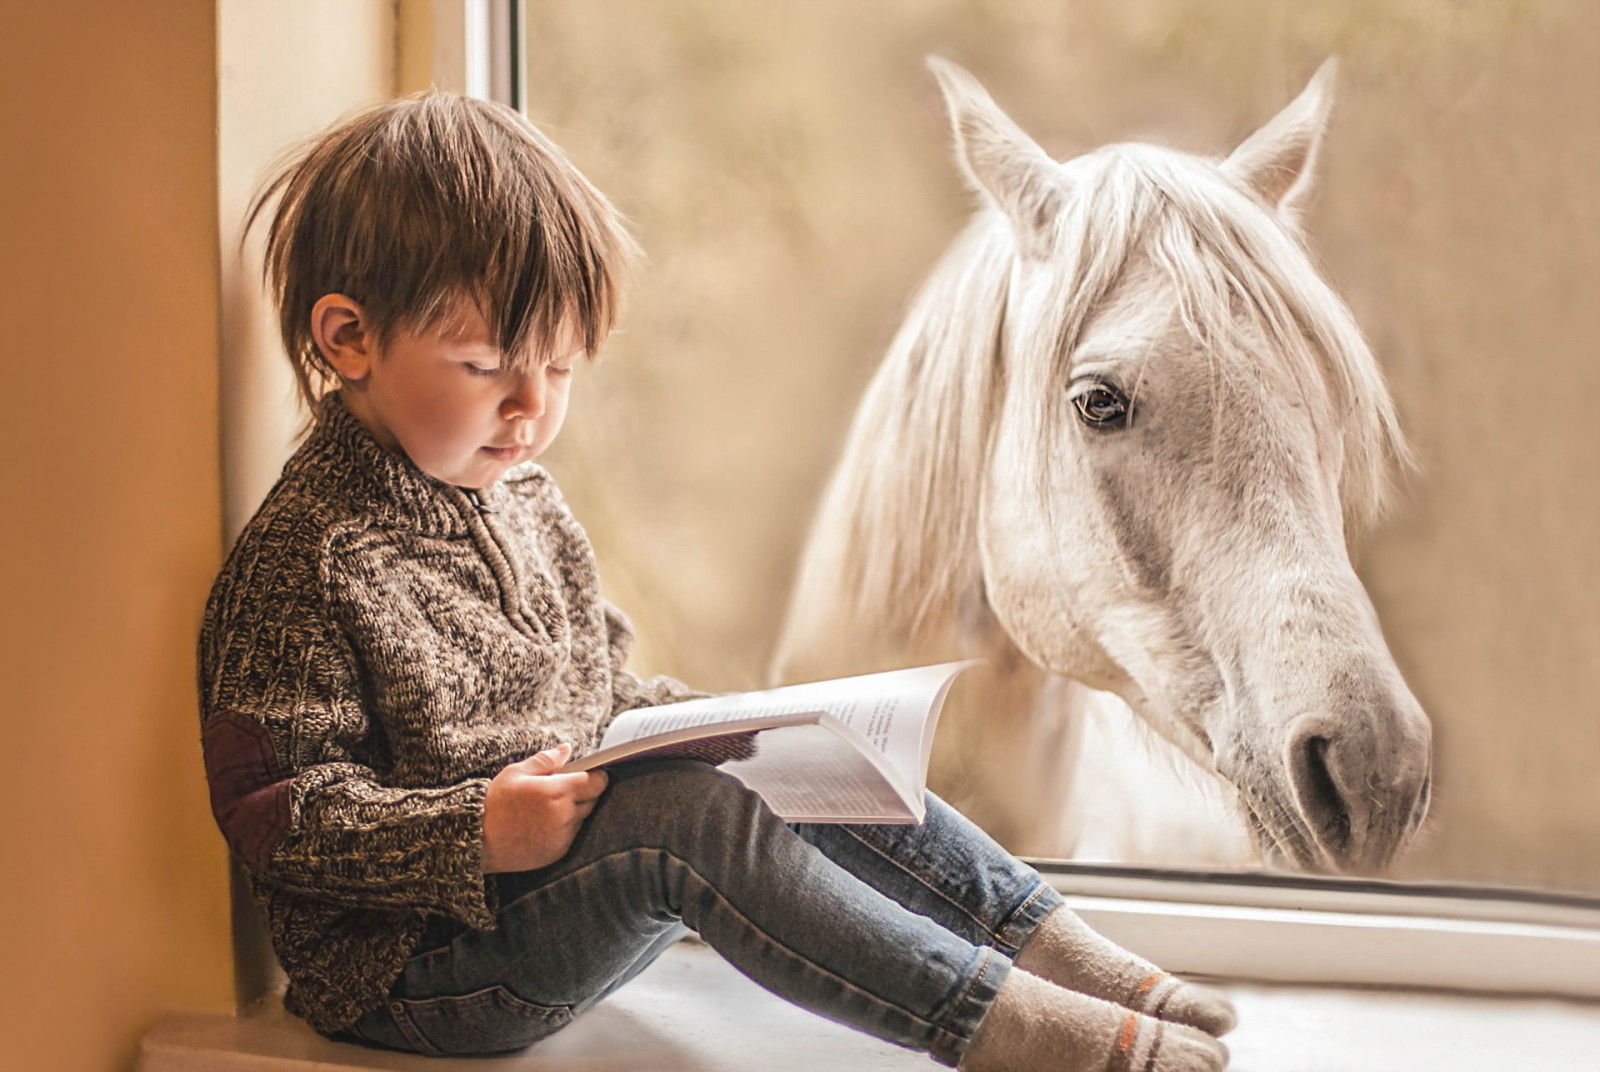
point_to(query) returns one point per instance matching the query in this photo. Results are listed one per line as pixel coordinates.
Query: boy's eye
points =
(556, 370)
(479, 370)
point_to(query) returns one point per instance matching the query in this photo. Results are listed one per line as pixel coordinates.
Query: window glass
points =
(788, 169)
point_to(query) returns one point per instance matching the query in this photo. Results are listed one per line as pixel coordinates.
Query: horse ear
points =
(1003, 163)
(1278, 161)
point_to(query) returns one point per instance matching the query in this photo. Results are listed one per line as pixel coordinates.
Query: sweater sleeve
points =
(290, 752)
(628, 691)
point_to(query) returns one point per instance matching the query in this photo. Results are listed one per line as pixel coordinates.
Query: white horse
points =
(1116, 450)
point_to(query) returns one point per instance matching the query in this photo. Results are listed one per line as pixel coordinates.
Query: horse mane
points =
(893, 547)
(931, 405)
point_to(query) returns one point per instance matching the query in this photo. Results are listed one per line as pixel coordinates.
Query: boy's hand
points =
(531, 815)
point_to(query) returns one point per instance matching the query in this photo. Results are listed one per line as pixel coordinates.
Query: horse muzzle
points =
(1346, 793)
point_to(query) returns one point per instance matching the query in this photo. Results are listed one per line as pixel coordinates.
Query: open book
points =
(852, 750)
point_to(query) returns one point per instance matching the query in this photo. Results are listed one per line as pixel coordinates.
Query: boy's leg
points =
(678, 841)
(945, 868)
(949, 870)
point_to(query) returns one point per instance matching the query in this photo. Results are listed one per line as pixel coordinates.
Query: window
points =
(790, 175)
(789, 172)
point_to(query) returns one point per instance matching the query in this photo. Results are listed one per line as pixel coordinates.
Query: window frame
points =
(1313, 930)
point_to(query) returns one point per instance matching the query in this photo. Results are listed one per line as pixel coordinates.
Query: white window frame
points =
(477, 49)
(1303, 929)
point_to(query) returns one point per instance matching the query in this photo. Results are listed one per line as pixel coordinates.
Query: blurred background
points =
(788, 170)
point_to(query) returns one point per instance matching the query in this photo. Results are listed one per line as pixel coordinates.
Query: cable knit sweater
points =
(377, 645)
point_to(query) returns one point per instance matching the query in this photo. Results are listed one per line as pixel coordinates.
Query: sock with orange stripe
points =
(1067, 952)
(1036, 1026)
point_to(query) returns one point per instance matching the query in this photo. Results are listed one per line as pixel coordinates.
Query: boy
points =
(408, 641)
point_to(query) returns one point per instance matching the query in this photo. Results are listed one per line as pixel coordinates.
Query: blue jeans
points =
(905, 932)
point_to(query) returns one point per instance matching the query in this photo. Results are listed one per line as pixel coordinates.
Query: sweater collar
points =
(342, 454)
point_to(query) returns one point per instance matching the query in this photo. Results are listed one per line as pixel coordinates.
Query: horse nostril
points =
(1321, 802)
(1419, 811)
(1360, 785)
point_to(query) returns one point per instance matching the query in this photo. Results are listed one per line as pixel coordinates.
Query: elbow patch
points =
(249, 790)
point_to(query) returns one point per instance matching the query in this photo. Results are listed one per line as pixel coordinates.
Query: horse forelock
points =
(1230, 263)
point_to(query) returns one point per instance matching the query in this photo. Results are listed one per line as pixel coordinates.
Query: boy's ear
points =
(339, 327)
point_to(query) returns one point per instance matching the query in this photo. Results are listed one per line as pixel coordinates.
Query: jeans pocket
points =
(492, 1020)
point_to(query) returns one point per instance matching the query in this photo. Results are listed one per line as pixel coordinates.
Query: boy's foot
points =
(1036, 1026)
(1067, 952)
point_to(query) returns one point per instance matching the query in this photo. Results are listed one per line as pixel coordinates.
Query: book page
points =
(648, 721)
(890, 710)
(687, 734)
(812, 774)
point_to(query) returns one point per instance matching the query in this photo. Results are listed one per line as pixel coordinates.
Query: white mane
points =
(895, 533)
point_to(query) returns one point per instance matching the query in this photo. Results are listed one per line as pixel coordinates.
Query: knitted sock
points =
(1065, 951)
(1036, 1026)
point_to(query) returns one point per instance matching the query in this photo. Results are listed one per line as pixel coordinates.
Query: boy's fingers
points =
(549, 760)
(542, 763)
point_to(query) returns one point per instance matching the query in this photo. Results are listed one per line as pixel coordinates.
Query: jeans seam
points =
(996, 935)
(930, 887)
(1011, 920)
(799, 957)
(946, 1040)
(400, 1013)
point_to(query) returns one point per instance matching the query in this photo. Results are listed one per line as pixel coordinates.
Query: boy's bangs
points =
(547, 295)
(417, 206)
(520, 234)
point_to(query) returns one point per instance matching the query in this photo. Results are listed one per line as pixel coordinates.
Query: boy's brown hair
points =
(410, 206)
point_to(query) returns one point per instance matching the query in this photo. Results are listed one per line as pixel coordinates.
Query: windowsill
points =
(692, 1011)
(1346, 975)
(689, 1010)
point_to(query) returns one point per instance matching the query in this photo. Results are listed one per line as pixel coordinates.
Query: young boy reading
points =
(408, 641)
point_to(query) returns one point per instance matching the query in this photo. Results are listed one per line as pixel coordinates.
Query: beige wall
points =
(119, 161)
(286, 69)
(114, 891)
(789, 172)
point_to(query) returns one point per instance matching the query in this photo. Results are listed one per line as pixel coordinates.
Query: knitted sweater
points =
(378, 645)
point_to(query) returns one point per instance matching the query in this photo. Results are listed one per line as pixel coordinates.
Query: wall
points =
(114, 891)
(789, 172)
(286, 69)
(130, 130)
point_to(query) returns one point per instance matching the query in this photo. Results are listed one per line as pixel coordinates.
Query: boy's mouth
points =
(506, 454)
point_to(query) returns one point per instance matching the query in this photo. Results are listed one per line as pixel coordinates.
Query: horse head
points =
(1175, 431)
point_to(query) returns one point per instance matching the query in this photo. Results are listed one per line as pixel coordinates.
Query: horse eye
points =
(1101, 405)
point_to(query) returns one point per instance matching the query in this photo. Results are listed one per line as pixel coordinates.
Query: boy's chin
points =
(474, 476)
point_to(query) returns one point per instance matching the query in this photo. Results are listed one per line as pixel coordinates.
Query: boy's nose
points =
(526, 399)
